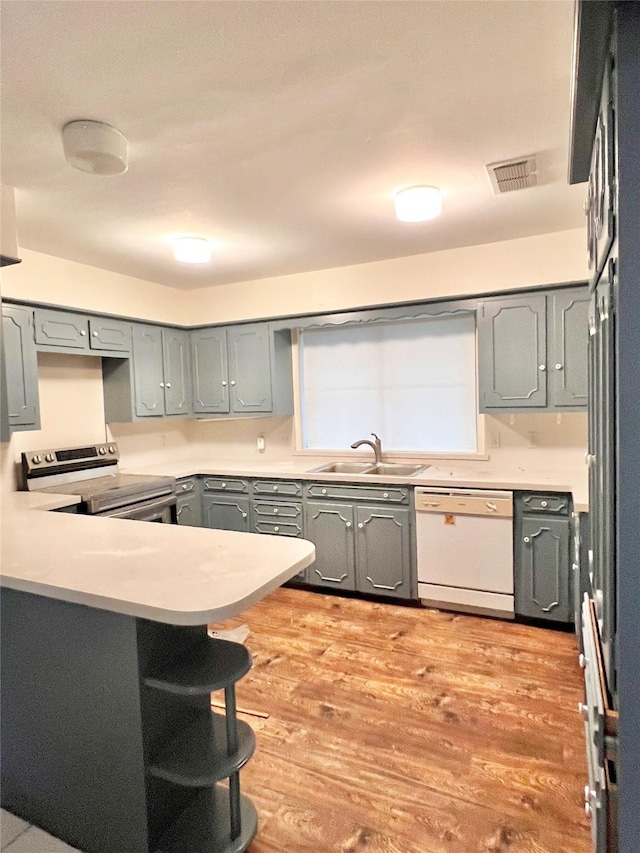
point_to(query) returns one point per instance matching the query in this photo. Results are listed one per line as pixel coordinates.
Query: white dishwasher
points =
(464, 541)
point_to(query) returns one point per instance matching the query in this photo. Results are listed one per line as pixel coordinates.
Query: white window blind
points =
(411, 382)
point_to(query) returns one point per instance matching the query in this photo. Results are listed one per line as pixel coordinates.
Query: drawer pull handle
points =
(385, 494)
(275, 488)
(223, 485)
(275, 512)
(276, 529)
(544, 504)
(526, 539)
(324, 491)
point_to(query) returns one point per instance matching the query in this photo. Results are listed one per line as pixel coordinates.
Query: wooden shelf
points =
(207, 665)
(197, 756)
(203, 827)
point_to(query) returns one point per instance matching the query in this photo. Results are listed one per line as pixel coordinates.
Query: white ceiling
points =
(282, 129)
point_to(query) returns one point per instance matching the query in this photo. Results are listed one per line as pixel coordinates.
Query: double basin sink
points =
(392, 469)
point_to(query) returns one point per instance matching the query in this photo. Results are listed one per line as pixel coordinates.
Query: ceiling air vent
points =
(509, 175)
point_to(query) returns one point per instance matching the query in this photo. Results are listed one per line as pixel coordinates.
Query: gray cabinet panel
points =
(210, 371)
(383, 551)
(330, 527)
(175, 353)
(21, 367)
(568, 362)
(147, 370)
(224, 512)
(109, 335)
(250, 368)
(188, 511)
(289, 488)
(224, 484)
(60, 329)
(512, 350)
(542, 580)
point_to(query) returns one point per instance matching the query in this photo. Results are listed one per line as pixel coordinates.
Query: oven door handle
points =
(144, 510)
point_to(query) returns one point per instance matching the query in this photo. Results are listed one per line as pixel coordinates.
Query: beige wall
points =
(526, 262)
(43, 278)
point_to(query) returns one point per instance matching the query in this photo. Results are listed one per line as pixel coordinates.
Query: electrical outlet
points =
(261, 443)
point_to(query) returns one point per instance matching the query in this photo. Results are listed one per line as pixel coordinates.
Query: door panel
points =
(512, 349)
(330, 527)
(568, 363)
(210, 371)
(110, 335)
(21, 366)
(225, 513)
(188, 511)
(542, 572)
(147, 371)
(383, 555)
(58, 329)
(175, 351)
(250, 368)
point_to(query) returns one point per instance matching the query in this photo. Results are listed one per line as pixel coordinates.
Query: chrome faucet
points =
(375, 445)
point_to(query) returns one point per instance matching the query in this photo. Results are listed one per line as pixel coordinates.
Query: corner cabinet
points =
(242, 370)
(21, 368)
(532, 352)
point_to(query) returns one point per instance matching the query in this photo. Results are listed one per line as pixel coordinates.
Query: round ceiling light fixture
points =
(95, 147)
(418, 204)
(192, 250)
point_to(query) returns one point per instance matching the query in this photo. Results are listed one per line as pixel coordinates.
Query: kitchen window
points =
(413, 382)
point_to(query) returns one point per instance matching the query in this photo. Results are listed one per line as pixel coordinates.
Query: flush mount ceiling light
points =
(418, 204)
(95, 147)
(192, 250)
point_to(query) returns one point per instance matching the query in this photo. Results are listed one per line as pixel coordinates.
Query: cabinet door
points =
(109, 335)
(21, 367)
(250, 368)
(148, 374)
(542, 569)
(188, 510)
(210, 371)
(175, 357)
(512, 346)
(383, 551)
(330, 527)
(224, 512)
(59, 329)
(569, 359)
(602, 175)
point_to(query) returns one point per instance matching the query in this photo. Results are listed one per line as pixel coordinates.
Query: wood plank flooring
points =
(401, 730)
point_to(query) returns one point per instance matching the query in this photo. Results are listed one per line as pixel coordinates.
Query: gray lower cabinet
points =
(21, 368)
(330, 527)
(189, 504)
(532, 351)
(543, 583)
(383, 551)
(226, 512)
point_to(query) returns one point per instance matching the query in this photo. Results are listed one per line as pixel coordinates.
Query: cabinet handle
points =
(558, 367)
(526, 539)
(244, 514)
(223, 485)
(233, 381)
(275, 488)
(168, 385)
(162, 384)
(544, 503)
(385, 494)
(323, 491)
(542, 367)
(224, 383)
(276, 529)
(82, 332)
(95, 334)
(275, 512)
(347, 524)
(360, 525)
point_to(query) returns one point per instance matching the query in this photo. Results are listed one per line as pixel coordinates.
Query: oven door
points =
(162, 510)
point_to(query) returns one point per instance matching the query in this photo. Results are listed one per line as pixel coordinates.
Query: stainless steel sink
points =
(393, 469)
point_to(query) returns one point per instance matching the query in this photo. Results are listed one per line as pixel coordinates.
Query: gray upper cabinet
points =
(21, 368)
(330, 527)
(61, 330)
(570, 336)
(532, 352)
(242, 370)
(148, 371)
(177, 377)
(512, 345)
(383, 551)
(108, 335)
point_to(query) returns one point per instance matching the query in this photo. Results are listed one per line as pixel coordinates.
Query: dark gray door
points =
(330, 527)
(177, 384)
(568, 361)
(109, 335)
(542, 569)
(189, 510)
(512, 346)
(383, 551)
(210, 371)
(250, 368)
(224, 512)
(21, 366)
(147, 371)
(59, 329)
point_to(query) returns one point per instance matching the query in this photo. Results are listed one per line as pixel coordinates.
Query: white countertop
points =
(165, 573)
(458, 474)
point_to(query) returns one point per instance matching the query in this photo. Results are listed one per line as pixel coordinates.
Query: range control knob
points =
(48, 457)
(36, 459)
(112, 448)
(102, 451)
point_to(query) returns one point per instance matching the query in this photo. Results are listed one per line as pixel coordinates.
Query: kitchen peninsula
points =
(101, 619)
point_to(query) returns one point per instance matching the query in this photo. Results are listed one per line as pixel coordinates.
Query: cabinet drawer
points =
(186, 485)
(61, 330)
(390, 494)
(225, 484)
(278, 528)
(276, 510)
(553, 504)
(109, 335)
(289, 488)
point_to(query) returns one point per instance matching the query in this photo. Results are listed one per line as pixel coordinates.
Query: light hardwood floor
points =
(404, 730)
